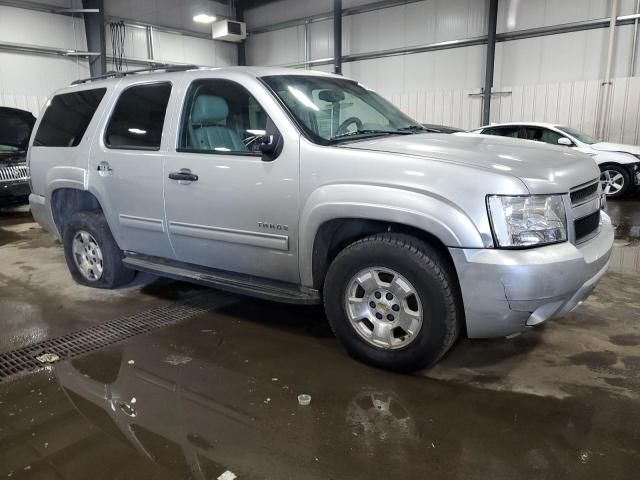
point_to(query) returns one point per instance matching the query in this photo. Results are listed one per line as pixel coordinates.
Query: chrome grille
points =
(14, 172)
(584, 193)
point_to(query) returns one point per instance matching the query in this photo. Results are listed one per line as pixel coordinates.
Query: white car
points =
(619, 163)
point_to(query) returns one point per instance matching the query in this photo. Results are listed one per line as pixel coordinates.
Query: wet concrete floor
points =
(218, 392)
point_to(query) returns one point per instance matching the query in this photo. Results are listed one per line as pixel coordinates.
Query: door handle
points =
(104, 168)
(184, 174)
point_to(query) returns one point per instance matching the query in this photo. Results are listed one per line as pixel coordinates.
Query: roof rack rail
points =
(161, 67)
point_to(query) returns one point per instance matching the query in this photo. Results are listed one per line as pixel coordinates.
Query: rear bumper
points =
(41, 212)
(14, 191)
(508, 291)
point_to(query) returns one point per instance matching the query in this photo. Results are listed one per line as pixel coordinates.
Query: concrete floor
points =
(558, 402)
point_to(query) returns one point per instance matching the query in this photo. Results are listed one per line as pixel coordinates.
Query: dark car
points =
(15, 130)
(433, 128)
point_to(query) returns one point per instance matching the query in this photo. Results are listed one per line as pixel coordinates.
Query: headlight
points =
(527, 221)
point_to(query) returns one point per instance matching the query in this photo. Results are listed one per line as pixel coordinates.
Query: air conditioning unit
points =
(229, 30)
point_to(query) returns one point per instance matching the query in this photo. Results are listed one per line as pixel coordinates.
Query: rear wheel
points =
(93, 257)
(615, 180)
(391, 301)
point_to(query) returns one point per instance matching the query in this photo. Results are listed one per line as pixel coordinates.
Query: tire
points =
(109, 271)
(435, 286)
(614, 179)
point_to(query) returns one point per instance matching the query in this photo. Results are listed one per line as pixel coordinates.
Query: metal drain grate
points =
(99, 336)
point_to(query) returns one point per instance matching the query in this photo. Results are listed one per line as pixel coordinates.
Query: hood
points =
(616, 147)
(542, 168)
(15, 127)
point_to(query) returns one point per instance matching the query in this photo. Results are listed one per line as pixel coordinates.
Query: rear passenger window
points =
(138, 117)
(67, 118)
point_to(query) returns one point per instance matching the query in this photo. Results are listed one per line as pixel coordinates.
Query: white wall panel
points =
(413, 24)
(276, 48)
(27, 80)
(563, 57)
(554, 78)
(184, 49)
(574, 104)
(170, 13)
(320, 39)
(45, 75)
(39, 28)
(523, 14)
(135, 44)
(276, 12)
(459, 68)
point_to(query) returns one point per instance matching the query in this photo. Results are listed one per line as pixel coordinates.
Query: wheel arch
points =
(66, 201)
(336, 215)
(336, 234)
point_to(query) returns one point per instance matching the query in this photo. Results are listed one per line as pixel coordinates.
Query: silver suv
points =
(307, 187)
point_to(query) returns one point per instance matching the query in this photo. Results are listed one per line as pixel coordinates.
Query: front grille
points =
(585, 226)
(14, 172)
(583, 194)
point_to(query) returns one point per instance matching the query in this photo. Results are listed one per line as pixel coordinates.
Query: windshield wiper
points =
(413, 128)
(368, 132)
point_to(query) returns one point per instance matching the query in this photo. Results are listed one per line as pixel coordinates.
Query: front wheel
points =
(615, 181)
(392, 302)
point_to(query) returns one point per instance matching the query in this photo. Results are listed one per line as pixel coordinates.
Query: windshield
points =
(582, 137)
(331, 110)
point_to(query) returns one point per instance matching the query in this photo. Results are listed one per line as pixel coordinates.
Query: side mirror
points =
(565, 141)
(270, 147)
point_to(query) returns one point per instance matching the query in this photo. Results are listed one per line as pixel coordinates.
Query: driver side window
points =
(221, 116)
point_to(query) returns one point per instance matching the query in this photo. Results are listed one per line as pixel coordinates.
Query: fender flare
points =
(434, 215)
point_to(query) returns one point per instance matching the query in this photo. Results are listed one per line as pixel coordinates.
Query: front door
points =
(126, 169)
(226, 207)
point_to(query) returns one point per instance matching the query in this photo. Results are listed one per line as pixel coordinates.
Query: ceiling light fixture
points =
(204, 18)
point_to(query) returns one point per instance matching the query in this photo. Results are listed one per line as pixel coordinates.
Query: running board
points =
(232, 282)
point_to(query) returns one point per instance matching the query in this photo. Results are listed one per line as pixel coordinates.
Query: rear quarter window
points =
(67, 117)
(138, 117)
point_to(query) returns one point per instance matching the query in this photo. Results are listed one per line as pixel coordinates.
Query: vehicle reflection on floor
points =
(625, 215)
(202, 407)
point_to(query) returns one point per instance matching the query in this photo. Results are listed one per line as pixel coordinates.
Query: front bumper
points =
(508, 291)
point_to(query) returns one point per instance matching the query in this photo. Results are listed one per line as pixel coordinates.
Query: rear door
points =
(126, 165)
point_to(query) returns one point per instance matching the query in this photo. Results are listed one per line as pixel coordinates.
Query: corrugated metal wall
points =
(26, 81)
(552, 78)
(569, 103)
(170, 47)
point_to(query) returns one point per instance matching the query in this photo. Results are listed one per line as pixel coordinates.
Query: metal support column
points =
(96, 41)
(489, 67)
(337, 36)
(242, 49)
(603, 112)
(634, 45)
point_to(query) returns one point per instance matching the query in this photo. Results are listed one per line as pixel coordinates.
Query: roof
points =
(532, 124)
(167, 71)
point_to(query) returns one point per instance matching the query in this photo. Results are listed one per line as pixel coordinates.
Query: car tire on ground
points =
(392, 301)
(93, 257)
(615, 180)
